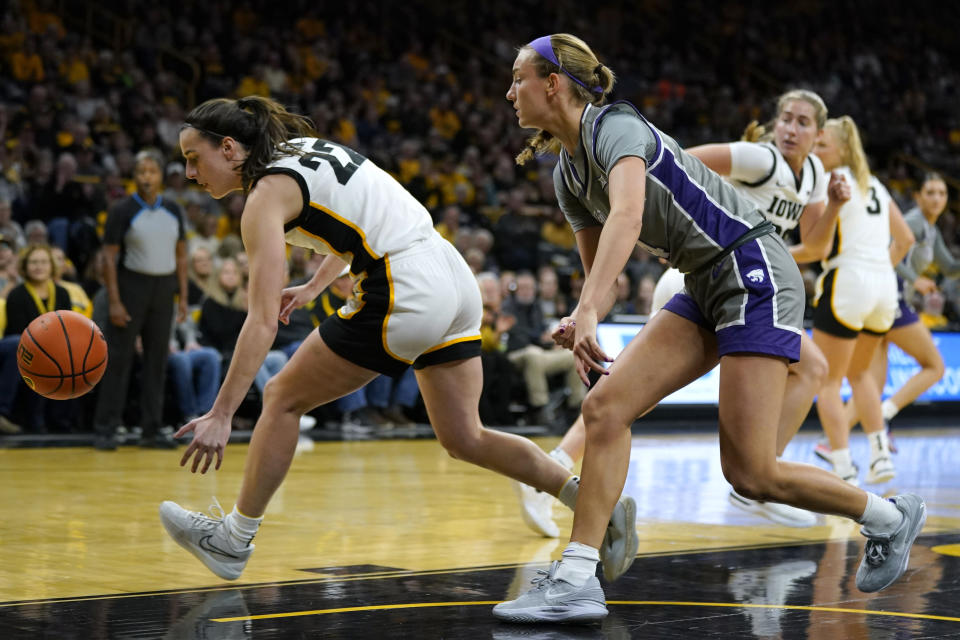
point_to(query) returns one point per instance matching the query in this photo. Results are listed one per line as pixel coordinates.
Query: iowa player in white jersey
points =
(856, 299)
(621, 182)
(908, 332)
(416, 303)
(787, 183)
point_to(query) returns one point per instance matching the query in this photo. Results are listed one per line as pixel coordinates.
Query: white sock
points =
(568, 494)
(841, 459)
(563, 458)
(879, 444)
(578, 564)
(889, 410)
(880, 516)
(241, 528)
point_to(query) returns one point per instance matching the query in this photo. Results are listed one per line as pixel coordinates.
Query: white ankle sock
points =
(241, 528)
(889, 410)
(579, 564)
(841, 459)
(879, 444)
(563, 458)
(880, 516)
(568, 494)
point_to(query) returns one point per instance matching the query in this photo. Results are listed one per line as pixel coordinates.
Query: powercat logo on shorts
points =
(755, 276)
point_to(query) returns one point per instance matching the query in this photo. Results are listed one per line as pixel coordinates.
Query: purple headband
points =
(545, 49)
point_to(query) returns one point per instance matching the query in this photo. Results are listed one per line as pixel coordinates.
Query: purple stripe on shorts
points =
(758, 334)
(905, 314)
(766, 340)
(684, 306)
(720, 225)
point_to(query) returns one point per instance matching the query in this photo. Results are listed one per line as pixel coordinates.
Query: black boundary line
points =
(424, 572)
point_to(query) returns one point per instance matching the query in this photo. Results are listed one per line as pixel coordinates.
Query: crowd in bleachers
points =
(419, 89)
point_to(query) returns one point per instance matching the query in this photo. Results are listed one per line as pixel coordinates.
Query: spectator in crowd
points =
(199, 275)
(499, 374)
(194, 370)
(10, 229)
(145, 272)
(224, 310)
(36, 295)
(66, 278)
(9, 274)
(553, 304)
(533, 353)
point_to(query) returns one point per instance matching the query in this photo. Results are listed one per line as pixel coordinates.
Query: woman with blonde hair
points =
(622, 182)
(773, 167)
(37, 294)
(856, 299)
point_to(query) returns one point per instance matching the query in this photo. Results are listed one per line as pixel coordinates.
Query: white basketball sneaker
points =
(620, 543)
(780, 513)
(881, 470)
(536, 508)
(207, 538)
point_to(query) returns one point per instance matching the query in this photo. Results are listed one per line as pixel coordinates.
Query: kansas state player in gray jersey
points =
(621, 181)
(785, 182)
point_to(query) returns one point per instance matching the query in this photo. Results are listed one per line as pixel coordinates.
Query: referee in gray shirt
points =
(145, 267)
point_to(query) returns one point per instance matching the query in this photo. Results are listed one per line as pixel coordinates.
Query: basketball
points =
(62, 355)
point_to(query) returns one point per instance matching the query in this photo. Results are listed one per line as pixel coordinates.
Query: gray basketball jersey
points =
(690, 213)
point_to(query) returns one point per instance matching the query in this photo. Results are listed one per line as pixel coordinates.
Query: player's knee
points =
(600, 416)
(464, 447)
(937, 366)
(277, 397)
(753, 482)
(815, 368)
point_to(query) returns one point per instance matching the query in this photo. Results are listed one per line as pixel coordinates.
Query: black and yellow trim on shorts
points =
(361, 336)
(456, 349)
(824, 317)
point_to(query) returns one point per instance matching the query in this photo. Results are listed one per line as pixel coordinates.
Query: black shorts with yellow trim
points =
(823, 317)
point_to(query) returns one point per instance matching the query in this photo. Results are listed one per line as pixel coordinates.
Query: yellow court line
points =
(646, 603)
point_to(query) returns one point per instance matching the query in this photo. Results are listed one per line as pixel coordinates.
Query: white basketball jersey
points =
(778, 194)
(352, 208)
(862, 237)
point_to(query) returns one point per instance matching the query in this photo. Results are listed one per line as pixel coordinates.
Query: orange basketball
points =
(62, 355)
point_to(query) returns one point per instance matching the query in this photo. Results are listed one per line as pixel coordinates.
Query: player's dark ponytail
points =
(260, 124)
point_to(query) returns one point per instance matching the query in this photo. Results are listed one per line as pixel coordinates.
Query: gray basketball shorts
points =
(752, 300)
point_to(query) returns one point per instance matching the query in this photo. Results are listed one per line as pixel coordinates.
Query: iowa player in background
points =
(856, 299)
(417, 303)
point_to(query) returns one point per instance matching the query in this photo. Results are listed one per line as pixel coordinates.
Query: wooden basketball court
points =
(393, 539)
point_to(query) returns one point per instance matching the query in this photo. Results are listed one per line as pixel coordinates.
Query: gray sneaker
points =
(620, 544)
(206, 538)
(887, 554)
(553, 600)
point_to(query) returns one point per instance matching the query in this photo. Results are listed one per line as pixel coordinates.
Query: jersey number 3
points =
(874, 207)
(344, 161)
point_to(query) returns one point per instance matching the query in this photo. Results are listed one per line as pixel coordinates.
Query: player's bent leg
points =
(804, 380)
(631, 389)
(304, 383)
(224, 542)
(917, 342)
(451, 394)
